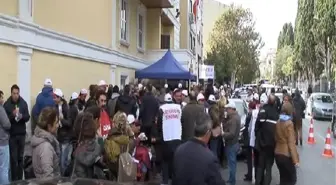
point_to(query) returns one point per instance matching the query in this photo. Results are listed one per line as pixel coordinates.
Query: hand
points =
(297, 165)
(15, 111)
(60, 116)
(19, 116)
(153, 140)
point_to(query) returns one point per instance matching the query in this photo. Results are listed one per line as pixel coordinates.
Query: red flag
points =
(195, 6)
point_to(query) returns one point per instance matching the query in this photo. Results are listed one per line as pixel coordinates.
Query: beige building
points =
(212, 9)
(79, 42)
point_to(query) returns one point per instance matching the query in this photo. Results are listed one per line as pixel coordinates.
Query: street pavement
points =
(314, 168)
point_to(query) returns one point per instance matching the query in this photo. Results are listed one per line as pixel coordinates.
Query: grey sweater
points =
(5, 125)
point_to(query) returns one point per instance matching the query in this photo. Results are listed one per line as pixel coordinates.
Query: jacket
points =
(265, 126)
(195, 164)
(232, 129)
(285, 138)
(81, 105)
(72, 114)
(111, 104)
(148, 110)
(126, 104)
(65, 130)
(45, 154)
(18, 127)
(44, 99)
(86, 155)
(188, 119)
(5, 126)
(299, 106)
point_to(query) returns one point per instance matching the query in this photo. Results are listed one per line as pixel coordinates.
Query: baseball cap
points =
(179, 85)
(231, 105)
(74, 96)
(212, 98)
(168, 98)
(83, 91)
(185, 92)
(102, 83)
(58, 92)
(47, 82)
(200, 96)
(130, 119)
(166, 86)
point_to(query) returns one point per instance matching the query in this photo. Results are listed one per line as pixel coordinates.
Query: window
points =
(123, 20)
(123, 81)
(165, 41)
(140, 31)
(191, 6)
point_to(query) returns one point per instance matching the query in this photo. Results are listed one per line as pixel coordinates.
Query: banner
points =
(207, 72)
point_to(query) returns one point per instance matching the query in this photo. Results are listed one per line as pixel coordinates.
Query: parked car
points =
(320, 106)
(242, 109)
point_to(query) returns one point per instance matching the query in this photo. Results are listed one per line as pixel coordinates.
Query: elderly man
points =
(194, 163)
(231, 132)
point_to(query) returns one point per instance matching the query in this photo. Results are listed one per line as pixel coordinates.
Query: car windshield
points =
(240, 107)
(323, 98)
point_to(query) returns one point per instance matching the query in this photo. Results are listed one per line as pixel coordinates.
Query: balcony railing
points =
(157, 3)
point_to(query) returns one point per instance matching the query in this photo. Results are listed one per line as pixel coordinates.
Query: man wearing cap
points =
(169, 134)
(102, 85)
(82, 99)
(185, 98)
(44, 99)
(230, 134)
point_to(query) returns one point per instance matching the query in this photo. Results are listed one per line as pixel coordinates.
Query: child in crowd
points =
(142, 155)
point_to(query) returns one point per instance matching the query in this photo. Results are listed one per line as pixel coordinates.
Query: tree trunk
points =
(233, 79)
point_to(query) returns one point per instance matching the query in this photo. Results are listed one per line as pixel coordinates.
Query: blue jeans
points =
(4, 164)
(66, 151)
(231, 155)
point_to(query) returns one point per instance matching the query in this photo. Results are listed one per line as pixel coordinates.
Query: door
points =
(165, 41)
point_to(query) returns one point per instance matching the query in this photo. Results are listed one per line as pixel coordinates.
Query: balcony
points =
(183, 56)
(157, 3)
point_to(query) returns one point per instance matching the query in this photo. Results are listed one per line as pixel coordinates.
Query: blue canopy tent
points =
(165, 68)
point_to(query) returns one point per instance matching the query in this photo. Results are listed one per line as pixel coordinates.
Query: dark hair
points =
(127, 90)
(109, 92)
(1, 93)
(93, 90)
(95, 111)
(99, 93)
(149, 87)
(115, 89)
(284, 91)
(72, 102)
(85, 126)
(48, 116)
(203, 124)
(192, 96)
(272, 90)
(15, 87)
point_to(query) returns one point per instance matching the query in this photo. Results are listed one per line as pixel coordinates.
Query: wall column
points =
(115, 10)
(153, 28)
(26, 10)
(24, 56)
(113, 75)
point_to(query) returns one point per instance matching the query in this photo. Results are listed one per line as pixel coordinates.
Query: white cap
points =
(200, 96)
(179, 85)
(231, 105)
(102, 83)
(175, 89)
(212, 98)
(58, 92)
(142, 136)
(185, 92)
(74, 96)
(140, 86)
(83, 91)
(130, 119)
(256, 96)
(221, 87)
(47, 82)
(166, 86)
(168, 98)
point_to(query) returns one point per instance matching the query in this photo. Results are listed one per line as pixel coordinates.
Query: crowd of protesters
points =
(140, 133)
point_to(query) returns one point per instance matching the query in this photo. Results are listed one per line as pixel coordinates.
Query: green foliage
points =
(234, 45)
(284, 62)
(286, 36)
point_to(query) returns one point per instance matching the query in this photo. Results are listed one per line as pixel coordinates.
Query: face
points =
(135, 129)
(15, 94)
(103, 88)
(286, 99)
(102, 101)
(230, 110)
(53, 128)
(1, 99)
(82, 96)
(201, 102)
(178, 97)
(57, 99)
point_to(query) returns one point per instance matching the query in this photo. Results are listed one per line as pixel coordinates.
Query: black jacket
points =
(81, 105)
(299, 106)
(265, 126)
(149, 109)
(72, 115)
(278, 104)
(188, 119)
(126, 104)
(246, 131)
(17, 127)
(65, 130)
(195, 164)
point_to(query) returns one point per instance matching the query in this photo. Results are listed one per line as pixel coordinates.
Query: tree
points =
(286, 36)
(284, 62)
(304, 46)
(234, 46)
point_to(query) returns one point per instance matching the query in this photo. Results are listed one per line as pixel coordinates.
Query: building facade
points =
(79, 42)
(212, 9)
(267, 65)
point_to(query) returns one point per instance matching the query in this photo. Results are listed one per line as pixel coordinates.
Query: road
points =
(314, 168)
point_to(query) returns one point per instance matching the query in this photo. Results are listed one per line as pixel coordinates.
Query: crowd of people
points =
(176, 135)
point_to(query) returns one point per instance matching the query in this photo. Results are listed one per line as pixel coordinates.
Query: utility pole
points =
(327, 66)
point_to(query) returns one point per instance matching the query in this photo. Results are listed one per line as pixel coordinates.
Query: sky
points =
(270, 15)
